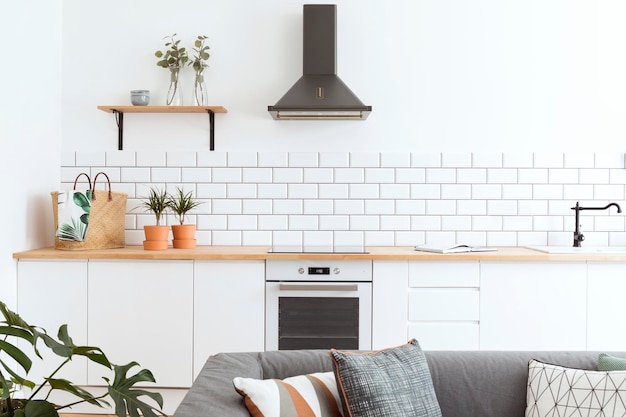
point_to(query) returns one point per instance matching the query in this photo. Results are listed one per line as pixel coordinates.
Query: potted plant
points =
(14, 382)
(181, 203)
(174, 58)
(198, 63)
(156, 235)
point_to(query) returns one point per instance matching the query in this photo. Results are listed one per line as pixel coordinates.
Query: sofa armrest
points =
(213, 393)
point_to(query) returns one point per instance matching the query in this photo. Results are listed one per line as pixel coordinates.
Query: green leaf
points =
(39, 408)
(20, 357)
(17, 378)
(127, 400)
(17, 332)
(58, 348)
(81, 200)
(67, 386)
(158, 54)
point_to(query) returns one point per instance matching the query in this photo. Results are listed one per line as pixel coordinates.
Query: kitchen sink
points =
(584, 249)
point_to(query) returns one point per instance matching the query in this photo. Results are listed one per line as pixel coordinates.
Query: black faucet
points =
(578, 236)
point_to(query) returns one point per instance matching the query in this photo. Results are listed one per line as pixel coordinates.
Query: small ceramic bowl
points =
(140, 97)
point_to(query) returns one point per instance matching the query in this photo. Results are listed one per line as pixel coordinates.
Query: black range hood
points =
(319, 93)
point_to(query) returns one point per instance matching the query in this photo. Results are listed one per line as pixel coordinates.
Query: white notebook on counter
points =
(454, 248)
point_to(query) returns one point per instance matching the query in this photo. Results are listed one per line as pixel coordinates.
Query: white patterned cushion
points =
(555, 391)
(313, 395)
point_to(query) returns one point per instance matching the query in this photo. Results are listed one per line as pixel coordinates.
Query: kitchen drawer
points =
(446, 336)
(441, 304)
(444, 274)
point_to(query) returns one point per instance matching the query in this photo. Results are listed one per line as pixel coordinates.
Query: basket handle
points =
(94, 185)
(80, 175)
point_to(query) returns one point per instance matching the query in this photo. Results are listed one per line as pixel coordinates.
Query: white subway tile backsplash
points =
(165, 175)
(241, 190)
(372, 198)
(395, 160)
(471, 176)
(151, 159)
(257, 175)
(486, 160)
(196, 175)
(211, 159)
(180, 159)
(379, 175)
(426, 160)
(395, 191)
(517, 160)
(456, 160)
(119, 159)
(349, 175)
(318, 175)
(578, 160)
(364, 159)
(456, 191)
(334, 159)
(317, 238)
(288, 175)
(226, 175)
(410, 175)
(379, 207)
(273, 159)
(548, 160)
(440, 175)
(532, 176)
(303, 159)
(593, 176)
(242, 159)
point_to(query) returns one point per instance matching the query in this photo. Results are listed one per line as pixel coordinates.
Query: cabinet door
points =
(533, 305)
(50, 294)
(229, 302)
(143, 311)
(389, 303)
(606, 289)
(444, 302)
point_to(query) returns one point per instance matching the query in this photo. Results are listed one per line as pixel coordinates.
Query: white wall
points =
(462, 75)
(30, 128)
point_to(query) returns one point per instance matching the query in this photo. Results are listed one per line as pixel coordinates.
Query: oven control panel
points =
(308, 270)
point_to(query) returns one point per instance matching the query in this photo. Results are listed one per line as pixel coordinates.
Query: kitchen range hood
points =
(319, 93)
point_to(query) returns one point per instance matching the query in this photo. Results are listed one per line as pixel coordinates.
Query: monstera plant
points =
(128, 401)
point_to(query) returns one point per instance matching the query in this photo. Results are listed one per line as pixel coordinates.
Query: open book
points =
(454, 248)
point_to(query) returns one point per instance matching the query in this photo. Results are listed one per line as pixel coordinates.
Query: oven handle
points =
(318, 287)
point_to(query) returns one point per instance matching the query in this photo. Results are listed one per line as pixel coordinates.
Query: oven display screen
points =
(319, 271)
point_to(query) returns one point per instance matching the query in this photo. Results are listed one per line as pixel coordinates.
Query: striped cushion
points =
(313, 395)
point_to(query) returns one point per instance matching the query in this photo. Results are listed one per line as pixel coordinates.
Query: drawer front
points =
(446, 336)
(444, 274)
(444, 304)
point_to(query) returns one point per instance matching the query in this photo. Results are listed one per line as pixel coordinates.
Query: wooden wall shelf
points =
(119, 111)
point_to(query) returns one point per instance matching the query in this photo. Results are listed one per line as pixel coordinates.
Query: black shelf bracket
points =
(211, 129)
(119, 120)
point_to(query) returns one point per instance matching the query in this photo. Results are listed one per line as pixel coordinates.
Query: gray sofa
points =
(467, 383)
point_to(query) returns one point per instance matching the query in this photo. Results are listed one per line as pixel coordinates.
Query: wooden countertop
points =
(261, 253)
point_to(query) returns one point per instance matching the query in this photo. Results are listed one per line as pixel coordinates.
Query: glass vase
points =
(174, 93)
(199, 89)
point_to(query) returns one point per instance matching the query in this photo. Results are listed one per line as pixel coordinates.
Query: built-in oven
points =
(322, 304)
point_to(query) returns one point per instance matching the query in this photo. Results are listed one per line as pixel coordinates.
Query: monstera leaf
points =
(126, 398)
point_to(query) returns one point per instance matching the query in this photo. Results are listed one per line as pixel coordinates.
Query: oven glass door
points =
(318, 315)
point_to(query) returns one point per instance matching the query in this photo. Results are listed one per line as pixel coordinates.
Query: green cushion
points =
(385, 383)
(611, 363)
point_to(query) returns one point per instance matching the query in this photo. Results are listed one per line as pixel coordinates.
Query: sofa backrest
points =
(467, 383)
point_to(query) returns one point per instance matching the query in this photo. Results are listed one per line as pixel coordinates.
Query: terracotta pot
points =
(184, 236)
(156, 237)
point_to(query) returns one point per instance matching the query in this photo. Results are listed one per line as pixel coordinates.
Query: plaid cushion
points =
(389, 382)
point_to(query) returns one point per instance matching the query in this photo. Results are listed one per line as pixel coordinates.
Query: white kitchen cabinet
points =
(533, 305)
(389, 303)
(606, 288)
(229, 308)
(443, 302)
(143, 311)
(51, 293)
